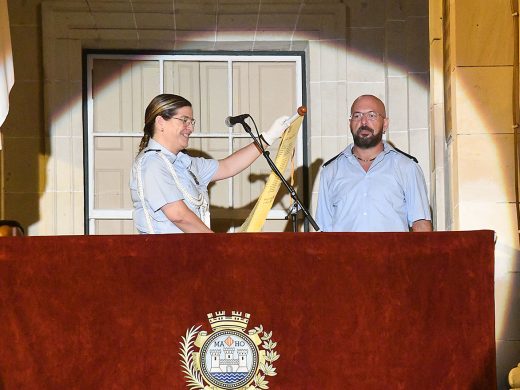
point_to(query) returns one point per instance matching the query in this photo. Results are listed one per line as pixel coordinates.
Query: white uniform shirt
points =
(159, 187)
(389, 197)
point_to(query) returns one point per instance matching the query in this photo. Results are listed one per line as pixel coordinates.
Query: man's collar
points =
(386, 149)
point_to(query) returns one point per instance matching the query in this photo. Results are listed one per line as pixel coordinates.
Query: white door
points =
(120, 88)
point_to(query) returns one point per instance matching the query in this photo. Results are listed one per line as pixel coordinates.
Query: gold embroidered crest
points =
(228, 358)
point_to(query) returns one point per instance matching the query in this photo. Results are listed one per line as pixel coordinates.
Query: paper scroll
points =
(258, 215)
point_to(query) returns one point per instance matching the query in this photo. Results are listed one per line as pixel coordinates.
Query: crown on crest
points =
(235, 321)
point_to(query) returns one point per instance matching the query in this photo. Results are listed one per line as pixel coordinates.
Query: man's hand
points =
(422, 225)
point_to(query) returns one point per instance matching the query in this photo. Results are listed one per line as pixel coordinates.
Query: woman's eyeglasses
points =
(186, 121)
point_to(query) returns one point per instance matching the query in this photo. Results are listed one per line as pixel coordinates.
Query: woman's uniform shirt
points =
(159, 187)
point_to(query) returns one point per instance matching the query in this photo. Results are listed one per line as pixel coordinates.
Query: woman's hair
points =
(165, 105)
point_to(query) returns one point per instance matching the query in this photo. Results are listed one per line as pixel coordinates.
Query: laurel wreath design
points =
(193, 377)
(271, 356)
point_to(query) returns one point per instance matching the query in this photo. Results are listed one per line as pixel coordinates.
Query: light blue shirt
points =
(389, 197)
(159, 187)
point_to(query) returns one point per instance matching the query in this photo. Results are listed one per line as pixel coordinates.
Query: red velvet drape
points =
(348, 310)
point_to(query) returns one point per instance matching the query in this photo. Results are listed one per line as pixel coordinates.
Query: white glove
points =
(276, 130)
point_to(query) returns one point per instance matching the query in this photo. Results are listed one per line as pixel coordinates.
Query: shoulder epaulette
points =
(407, 155)
(152, 150)
(332, 159)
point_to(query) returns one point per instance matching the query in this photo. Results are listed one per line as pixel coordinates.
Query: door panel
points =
(182, 78)
(121, 90)
(113, 157)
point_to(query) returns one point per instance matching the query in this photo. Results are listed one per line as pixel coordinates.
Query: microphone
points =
(233, 120)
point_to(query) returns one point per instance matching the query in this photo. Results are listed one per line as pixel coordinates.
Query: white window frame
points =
(93, 214)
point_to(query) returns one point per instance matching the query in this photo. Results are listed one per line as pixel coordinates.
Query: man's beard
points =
(367, 142)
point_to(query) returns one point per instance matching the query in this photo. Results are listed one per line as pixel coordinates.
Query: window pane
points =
(265, 90)
(113, 157)
(115, 227)
(277, 226)
(121, 91)
(205, 85)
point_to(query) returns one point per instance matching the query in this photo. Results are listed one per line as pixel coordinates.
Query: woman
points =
(168, 187)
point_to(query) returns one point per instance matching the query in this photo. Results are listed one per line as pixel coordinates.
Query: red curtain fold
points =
(348, 310)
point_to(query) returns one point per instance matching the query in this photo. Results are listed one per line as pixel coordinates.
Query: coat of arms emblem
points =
(228, 358)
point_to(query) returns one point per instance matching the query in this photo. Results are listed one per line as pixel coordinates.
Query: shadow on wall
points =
(223, 225)
(25, 150)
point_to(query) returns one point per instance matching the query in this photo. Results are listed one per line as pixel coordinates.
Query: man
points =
(371, 186)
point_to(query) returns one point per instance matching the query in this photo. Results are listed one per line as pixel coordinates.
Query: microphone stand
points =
(297, 204)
